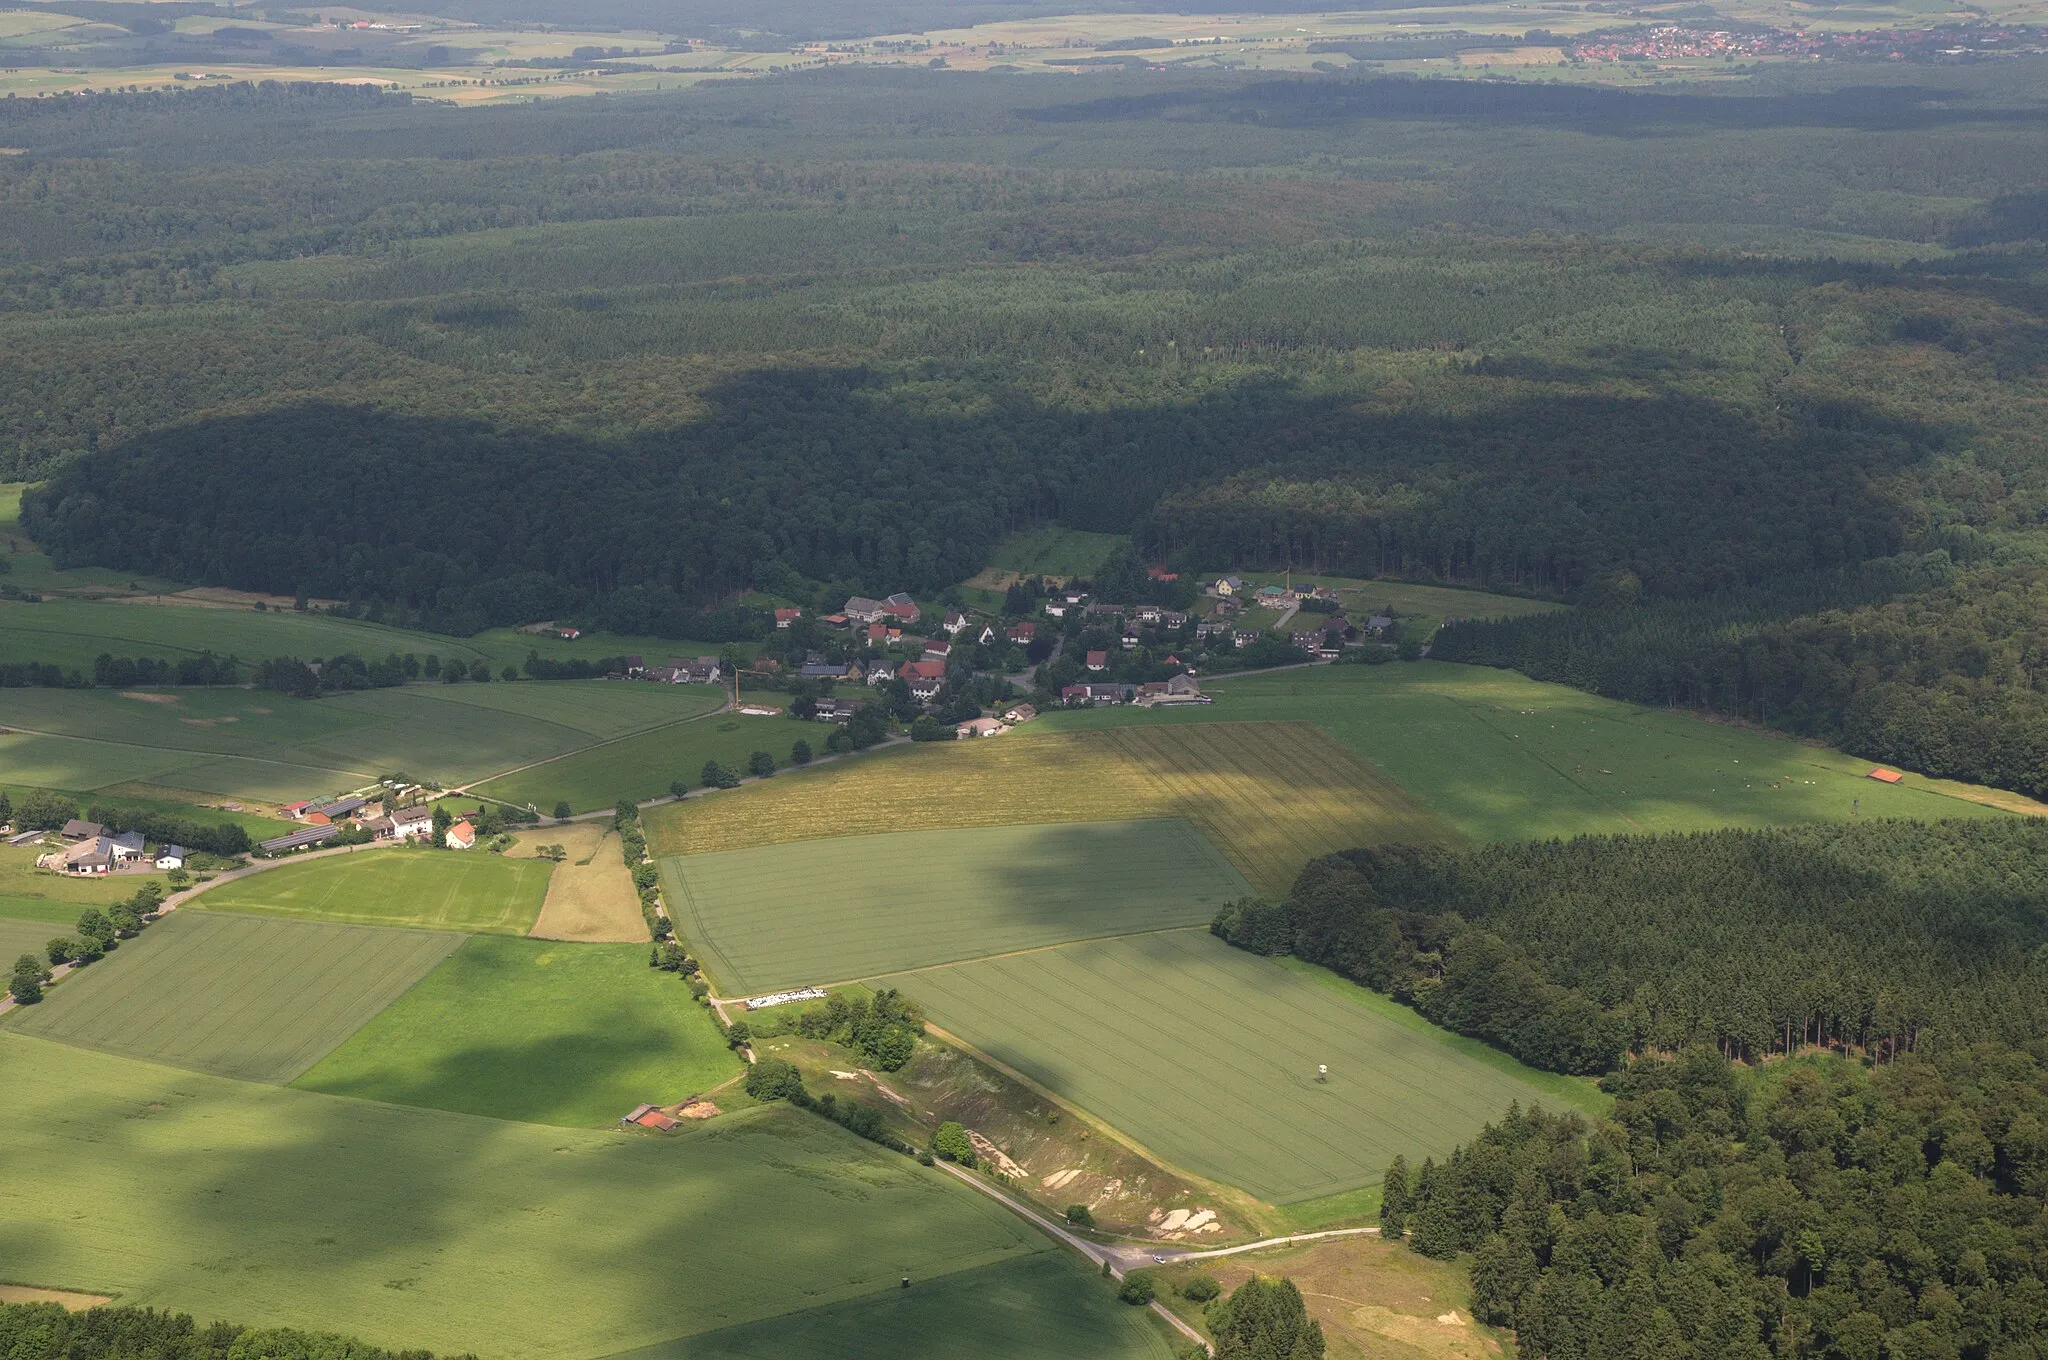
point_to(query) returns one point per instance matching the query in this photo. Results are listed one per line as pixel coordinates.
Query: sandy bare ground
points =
(77, 1303)
(590, 894)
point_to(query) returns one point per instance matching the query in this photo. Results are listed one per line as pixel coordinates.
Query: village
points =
(1050, 644)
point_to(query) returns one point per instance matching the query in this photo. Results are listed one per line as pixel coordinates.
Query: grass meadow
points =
(853, 906)
(1503, 757)
(1207, 1056)
(1269, 796)
(549, 1033)
(1043, 1307)
(643, 766)
(45, 894)
(417, 1227)
(268, 747)
(396, 886)
(1050, 550)
(237, 996)
(20, 935)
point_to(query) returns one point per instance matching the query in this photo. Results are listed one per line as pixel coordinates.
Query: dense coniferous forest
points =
(47, 1331)
(1880, 937)
(1827, 1213)
(1727, 367)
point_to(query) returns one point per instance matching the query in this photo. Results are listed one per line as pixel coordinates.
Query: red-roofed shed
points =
(1884, 776)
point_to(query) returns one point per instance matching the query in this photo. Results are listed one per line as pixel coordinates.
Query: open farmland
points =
(1043, 1307)
(853, 906)
(70, 633)
(395, 886)
(404, 1226)
(572, 1034)
(591, 896)
(270, 747)
(1503, 757)
(49, 895)
(1269, 796)
(643, 766)
(1207, 1056)
(20, 935)
(237, 996)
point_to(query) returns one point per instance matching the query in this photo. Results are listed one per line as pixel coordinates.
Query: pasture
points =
(1043, 1307)
(591, 896)
(1270, 796)
(416, 1227)
(1050, 550)
(643, 766)
(395, 886)
(569, 1034)
(237, 996)
(47, 894)
(1207, 1057)
(1504, 757)
(853, 906)
(19, 935)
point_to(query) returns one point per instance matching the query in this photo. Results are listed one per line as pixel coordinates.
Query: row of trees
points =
(348, 672)
(1881, 937)
(1833, 1213)
(162, 828)
(120, 672)
(49, 1331)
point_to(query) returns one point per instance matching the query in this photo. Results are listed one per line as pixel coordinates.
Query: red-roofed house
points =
(924, 677)
(937, 650)
(461, 836)
(785, 617)
(878, 633)
(1024, 632)
(655, 1119)
(1098, 661)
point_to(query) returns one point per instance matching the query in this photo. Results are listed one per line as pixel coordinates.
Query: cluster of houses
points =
(1176, 689)
(93, 850)
(703, 670)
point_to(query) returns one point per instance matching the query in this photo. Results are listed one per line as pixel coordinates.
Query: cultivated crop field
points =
(591, 896)
(852, 906)
(1269, 796)
(1207, 1056)
(20, 936)
(238, 996)
(399, 886)
(643, 766)
(71, 633)
(571, 1034)
(415, 1227)
(1043, 1307)
(1503, 757)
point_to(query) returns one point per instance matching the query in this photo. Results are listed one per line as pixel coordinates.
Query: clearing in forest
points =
(852, 906)
(417, 1227)
(238, 996)
(1207, 1056)
(1270, 796)
(570, 1034)
(590, 893)
(402, 886)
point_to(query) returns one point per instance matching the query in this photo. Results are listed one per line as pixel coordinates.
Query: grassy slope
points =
(1207, 1056)
(1050, 550)
(238, 996)
(432, 889)
(572, 1034)
(783, 916)
(418, 1227)
(1506, 758)
(1044, 1307)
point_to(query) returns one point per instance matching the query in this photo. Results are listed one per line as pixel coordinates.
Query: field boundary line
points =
(1471, 710)
(608, 741)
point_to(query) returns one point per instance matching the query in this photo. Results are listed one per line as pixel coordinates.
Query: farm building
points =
(407, 823)
(95, 856)
(1022, 713)
(299, 840)
(1884, 776)
(76, 830)
(979, 727)
(127, 846)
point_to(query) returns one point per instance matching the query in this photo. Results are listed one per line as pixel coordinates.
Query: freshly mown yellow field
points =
(1270, 796)
(590, 894)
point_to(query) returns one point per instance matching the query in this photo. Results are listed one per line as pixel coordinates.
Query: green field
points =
(20, 935)
(47, 894)
(1043, 1307)
(643, 766)
(1050, 550)
(413, 1227)
(238, 996)
(234, 742)
(1207, 1056)
(1509, 758)
(829, 910)
(551, 1033)
(71, 633)
(399, 886)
